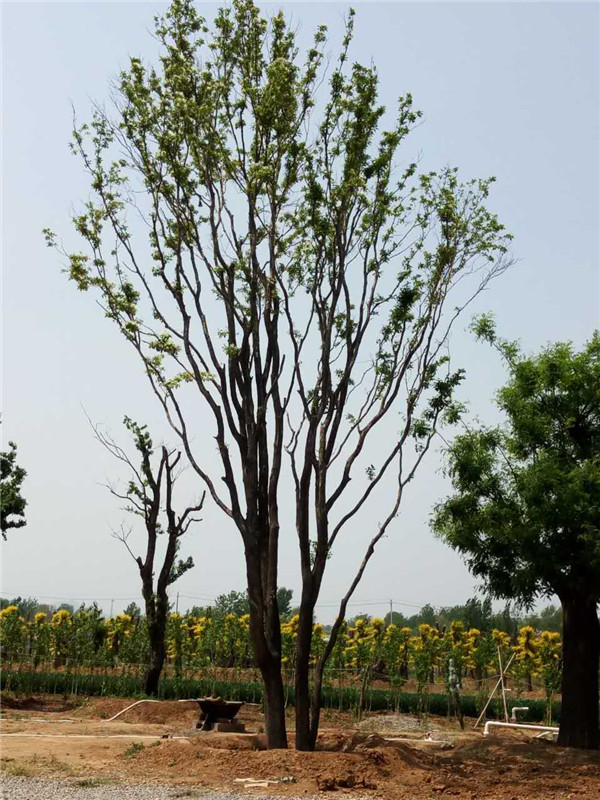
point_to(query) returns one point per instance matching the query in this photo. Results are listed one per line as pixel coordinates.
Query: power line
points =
(372, 603)
(192, 597)
(328, 604)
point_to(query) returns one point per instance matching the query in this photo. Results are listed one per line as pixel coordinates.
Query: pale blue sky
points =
(507, 89)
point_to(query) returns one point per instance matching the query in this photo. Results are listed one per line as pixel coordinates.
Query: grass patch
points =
(19, 770)
(134, 749)
(59, 766)
(89, 783)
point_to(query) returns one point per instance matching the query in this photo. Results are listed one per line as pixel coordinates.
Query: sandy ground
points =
(58, 739)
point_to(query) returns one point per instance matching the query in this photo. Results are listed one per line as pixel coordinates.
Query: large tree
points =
(526, 506)
(293, 276)
(237, 603)
(149, 493)
(12, 502)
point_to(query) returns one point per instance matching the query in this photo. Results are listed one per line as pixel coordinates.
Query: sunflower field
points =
(369, 655)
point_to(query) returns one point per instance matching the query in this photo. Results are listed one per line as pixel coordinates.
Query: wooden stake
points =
(493, 692)
(502, 684)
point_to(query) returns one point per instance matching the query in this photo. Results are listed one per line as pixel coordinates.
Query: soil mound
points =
(165, 712)
(361, 742)
(33, 703)
(522, 748)
(207, 759)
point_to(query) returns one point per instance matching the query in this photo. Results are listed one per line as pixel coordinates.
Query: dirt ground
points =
(59, 738)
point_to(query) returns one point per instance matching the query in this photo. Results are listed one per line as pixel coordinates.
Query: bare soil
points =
(62, 738)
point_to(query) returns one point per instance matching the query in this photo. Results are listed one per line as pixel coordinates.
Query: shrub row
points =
(92, 685)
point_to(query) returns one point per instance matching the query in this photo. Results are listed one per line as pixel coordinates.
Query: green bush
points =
(94, 685)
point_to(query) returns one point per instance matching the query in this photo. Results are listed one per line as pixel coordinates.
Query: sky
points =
(507, 89)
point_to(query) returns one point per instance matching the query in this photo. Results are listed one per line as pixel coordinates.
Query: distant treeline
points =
(475, 613)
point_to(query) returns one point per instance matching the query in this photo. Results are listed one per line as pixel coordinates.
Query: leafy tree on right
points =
(12, 503)
(525, 511)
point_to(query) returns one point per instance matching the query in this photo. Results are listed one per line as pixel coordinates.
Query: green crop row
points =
(29, 682)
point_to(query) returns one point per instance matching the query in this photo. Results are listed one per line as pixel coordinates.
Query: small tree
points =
(12, 502)
(134, 611)
(12, 632)
(550, 667)
(299, 279)
(526, 660)
(526, 507)
(149, 494)
(425, 653)
(284, 602)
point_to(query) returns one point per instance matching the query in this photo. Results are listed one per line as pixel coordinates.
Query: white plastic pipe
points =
(413, 740)
(513, 712)
(489, 725)
(137, 703)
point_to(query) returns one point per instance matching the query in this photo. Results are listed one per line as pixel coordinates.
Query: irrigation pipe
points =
(518, 725)
(513, 712)
(137, 702)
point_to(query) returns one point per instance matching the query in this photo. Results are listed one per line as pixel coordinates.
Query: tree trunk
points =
(156, 616)
(157, 657)
(304, 739)
(265, 634)
(309, 740)
(404, 666)
(362, 699)
(302, 710)
(269, 663)
(581, 656)
(274, 706)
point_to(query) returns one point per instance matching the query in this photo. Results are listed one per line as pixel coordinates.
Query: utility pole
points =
(391, 612)
(177, 604)
(112, 602)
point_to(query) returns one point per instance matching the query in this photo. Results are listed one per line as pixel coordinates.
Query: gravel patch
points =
(19, 788)
(391, 722)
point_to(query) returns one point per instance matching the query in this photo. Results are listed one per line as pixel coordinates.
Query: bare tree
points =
(149, 494)
(293, 278)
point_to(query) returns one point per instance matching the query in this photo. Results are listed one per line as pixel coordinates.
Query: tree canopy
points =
(293, 274)
(526, 507)
(12, 502)
(237, 603)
